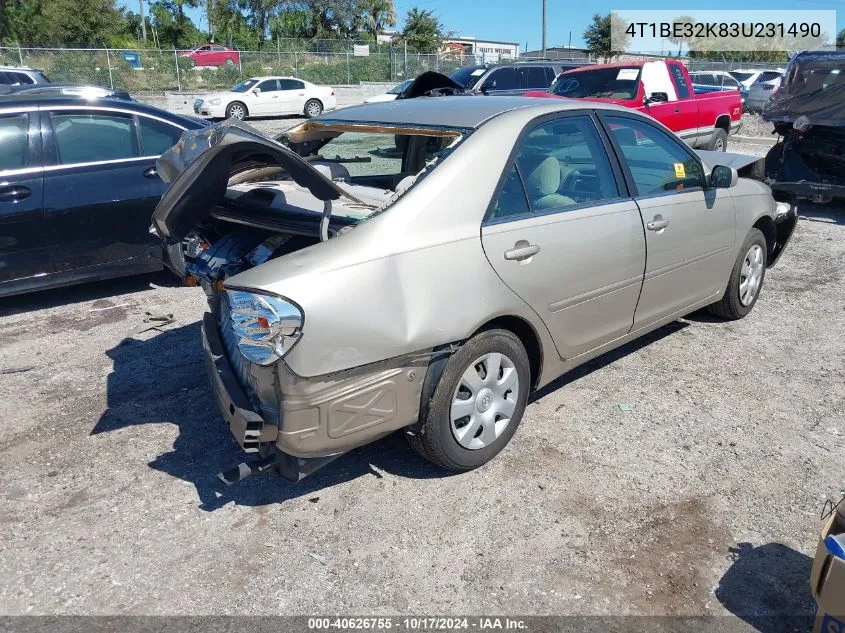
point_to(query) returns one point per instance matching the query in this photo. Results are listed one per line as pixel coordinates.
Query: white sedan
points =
(267, 96)
(391, 94)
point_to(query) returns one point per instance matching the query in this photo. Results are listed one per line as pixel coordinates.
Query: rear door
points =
(690, 229)
(292, 95)
(24, 250)
(563, 234)
(101, 186)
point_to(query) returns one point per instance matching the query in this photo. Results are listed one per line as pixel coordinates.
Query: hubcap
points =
(313, 109)
(237, 112)
(751, 275)
(484, 401)
(719, 146)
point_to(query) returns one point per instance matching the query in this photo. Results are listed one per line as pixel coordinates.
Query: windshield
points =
(468, 75)
(618, 82)
(741, 77)
(398, 90)
(244, 85)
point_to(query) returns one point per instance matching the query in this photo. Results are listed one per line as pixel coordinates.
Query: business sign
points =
(361, 50)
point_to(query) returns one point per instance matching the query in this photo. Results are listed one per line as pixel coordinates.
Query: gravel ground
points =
(703, 498)
(754, 125)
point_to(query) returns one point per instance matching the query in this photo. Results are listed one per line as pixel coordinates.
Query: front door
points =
(23, 247)
(564, 237)
(689, 228)
(267, 101)
(102, 187)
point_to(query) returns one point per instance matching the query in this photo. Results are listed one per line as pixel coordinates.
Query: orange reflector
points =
(218, 286)
(263, 322)
(191, 281)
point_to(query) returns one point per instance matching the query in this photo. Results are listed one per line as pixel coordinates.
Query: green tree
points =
(606, 37)
(423, 31)
(291, 24)
(840, 39)
(172, 26)
(58, 22)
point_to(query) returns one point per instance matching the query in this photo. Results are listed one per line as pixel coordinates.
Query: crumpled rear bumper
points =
(319, 418)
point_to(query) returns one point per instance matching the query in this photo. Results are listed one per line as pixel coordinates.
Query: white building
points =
(484, 51)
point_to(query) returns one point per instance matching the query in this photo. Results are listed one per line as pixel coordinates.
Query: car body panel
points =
(266, 102)
(212, 55)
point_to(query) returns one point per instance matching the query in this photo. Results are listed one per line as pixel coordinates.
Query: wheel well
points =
(320, 101)
(767, 228)
(724, 122)
(527, 336)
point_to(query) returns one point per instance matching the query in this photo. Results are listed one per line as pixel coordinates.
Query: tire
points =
(313, 107)
(236, 110)
(230, 62)
(494, 407)
(735, 303)
(718, 141)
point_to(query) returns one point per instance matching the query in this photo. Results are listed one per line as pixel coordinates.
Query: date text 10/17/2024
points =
(418, 624)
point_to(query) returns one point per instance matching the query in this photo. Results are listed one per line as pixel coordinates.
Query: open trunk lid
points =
(200, 165)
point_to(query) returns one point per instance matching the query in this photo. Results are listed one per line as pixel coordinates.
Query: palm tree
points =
(378, 15)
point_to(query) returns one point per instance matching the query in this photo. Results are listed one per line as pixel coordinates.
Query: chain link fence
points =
(158, 70)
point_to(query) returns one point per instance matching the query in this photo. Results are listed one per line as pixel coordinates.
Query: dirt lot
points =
(702, 498)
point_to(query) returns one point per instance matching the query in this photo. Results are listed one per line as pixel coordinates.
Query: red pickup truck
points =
(661, 88)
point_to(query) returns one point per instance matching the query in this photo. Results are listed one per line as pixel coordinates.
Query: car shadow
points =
(832, 213)
(90, 291)
(609, 357)
(769, 588)
(163, 380)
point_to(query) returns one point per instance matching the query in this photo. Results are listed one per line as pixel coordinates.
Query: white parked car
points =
(391, 94)
(748, 77)
(267, 96)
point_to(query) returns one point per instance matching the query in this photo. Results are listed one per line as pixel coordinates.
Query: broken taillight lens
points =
(267, 327)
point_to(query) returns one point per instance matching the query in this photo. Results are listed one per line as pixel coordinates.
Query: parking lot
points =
(680, 474)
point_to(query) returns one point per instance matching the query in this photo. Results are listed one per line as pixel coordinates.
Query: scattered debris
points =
(624, 406)
(313, 499)
(320, 559)
(119, 305)
(17, 370)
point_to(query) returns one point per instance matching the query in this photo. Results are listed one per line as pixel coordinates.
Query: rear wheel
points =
(746, 280)
(236, 110)
(313, 107)
(230, 62)
(718, 141)
(477, 404)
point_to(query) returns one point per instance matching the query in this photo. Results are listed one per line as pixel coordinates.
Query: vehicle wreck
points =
(808, 112)
(359, 286)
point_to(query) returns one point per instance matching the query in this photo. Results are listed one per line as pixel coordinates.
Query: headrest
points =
(543, 175)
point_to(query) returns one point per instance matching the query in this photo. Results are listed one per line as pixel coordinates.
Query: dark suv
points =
(511, 79)
(13, 76)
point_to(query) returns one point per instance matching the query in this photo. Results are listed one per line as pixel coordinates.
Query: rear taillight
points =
(267, 327)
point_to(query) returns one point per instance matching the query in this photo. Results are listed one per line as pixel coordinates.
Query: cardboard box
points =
(827, 584)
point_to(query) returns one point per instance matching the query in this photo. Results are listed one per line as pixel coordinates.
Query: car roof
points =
(19, 100)
(466, 112)
(262, 77)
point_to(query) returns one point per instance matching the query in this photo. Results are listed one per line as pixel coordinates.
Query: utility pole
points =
(143, 21)
(544, 29)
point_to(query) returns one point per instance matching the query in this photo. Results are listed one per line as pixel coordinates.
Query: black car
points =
(511, 79)
(78, 187)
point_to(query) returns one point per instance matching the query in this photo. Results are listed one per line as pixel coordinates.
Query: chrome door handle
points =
(677, 109)
(150, 172)
(14, 193)
(657, 224)
(521, 251)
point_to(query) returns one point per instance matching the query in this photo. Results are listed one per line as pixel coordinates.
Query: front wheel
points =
(236, 110)
(477, 404)
(746, 280)
(230, 62)
(313, 108)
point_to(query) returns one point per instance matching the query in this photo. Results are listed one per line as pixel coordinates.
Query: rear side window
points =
(658, 163)
(5, 79)
(537, 77)
(13, 141)
(84, 138)
(292, 84)
(767, 76)
(157, 136)
(680, 81)
(22, 78)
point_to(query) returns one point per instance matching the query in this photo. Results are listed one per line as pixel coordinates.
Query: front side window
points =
(658, 163)
(13, 141)
(270, 85)
(502, 79)
(157, 136)
(560, 163)
(85, 138)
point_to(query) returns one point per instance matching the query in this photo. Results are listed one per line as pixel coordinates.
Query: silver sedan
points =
(424, 265)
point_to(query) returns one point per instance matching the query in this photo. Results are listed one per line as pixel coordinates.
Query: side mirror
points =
(656, 97)
(723, 177)
(256, 91)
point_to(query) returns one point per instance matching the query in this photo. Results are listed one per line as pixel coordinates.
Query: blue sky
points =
(509, 21)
